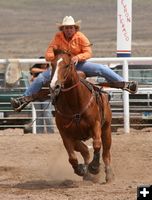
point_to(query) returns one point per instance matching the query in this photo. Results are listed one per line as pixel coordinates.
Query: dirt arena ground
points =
(35, 167)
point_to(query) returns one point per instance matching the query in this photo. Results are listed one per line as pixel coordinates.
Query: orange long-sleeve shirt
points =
(79, 46)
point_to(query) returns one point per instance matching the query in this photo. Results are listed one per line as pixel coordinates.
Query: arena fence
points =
(125, 112)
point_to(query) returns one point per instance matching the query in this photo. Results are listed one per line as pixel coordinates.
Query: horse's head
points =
(61, 70)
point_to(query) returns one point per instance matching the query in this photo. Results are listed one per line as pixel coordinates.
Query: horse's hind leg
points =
(106, 141)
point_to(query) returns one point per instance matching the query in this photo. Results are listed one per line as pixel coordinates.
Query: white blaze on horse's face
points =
(55, 76)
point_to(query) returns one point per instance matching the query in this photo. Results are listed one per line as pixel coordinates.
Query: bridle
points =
(63, 89)
(61, 83)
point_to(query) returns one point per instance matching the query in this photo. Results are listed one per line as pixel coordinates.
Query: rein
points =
(77, 116)
(62, 83)
(70, 88)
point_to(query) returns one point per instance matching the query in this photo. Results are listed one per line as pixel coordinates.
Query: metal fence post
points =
(126, 99)
(33, 119)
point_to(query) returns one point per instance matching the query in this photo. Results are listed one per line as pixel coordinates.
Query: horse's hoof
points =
(81, 170)
(94, 169)
(109, 176)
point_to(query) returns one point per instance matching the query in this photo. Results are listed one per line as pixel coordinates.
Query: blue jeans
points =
(89, 68)
(94, 69)
(38, 83)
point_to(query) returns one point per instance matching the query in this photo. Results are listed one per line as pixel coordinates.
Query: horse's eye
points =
(67, 66)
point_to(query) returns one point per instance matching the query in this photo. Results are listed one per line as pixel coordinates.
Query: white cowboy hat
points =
(69, 21)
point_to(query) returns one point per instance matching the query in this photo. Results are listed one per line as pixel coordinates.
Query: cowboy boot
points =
(131, 87)
(21, 102)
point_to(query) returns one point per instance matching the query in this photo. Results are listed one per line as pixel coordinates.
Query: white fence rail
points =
(125, 62)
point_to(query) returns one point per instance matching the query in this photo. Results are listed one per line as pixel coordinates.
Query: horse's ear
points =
(60, 51)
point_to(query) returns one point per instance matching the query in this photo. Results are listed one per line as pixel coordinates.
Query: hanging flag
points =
(124, 28)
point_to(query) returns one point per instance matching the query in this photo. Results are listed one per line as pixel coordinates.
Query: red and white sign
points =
(124, 27)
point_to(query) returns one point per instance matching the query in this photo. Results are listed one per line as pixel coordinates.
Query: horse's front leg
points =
(83, 149)
(94, 166)
(70, 145)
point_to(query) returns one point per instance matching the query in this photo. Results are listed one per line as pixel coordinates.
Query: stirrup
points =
(131, 87)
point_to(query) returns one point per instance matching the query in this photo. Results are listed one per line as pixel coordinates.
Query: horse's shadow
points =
(43, 184)
(55, 184)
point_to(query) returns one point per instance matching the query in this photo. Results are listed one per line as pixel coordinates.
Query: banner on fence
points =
(124, 28)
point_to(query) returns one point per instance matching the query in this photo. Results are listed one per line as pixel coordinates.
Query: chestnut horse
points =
(82, 113)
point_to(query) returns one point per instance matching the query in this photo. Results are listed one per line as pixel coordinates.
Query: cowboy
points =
(70, 39)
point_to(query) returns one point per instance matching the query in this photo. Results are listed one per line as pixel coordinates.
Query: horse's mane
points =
(60, 51)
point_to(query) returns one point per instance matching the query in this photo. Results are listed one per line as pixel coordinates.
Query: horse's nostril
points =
(58, 86)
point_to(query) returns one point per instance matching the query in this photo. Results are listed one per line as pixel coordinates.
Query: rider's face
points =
(69, 31)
